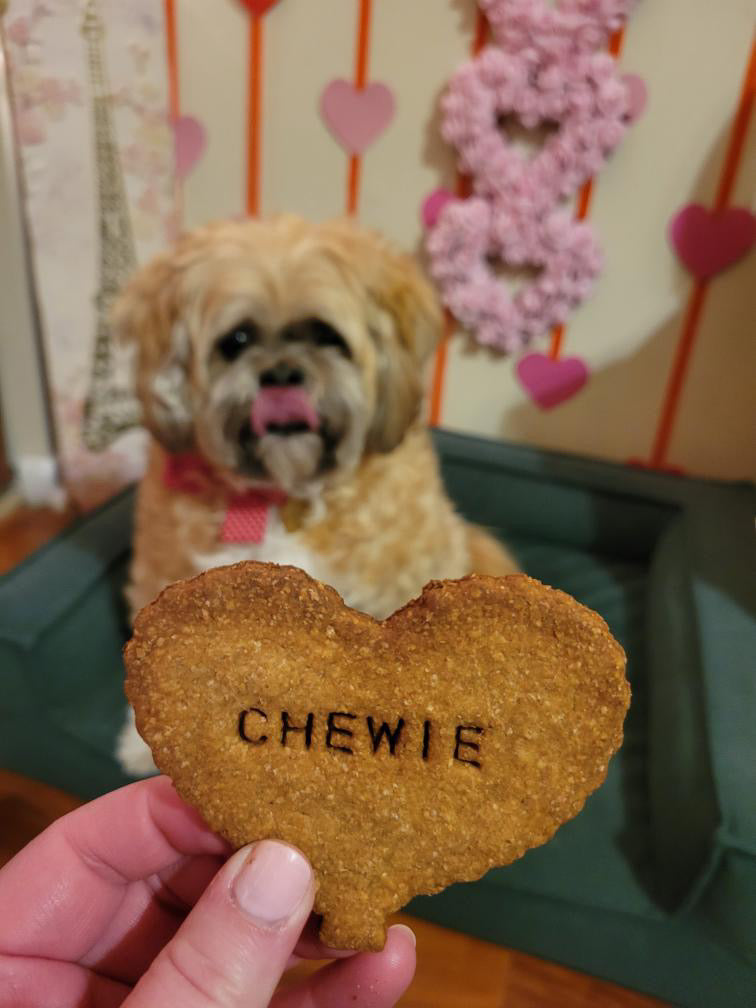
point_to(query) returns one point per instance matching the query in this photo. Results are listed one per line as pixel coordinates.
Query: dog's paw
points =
(132, 752)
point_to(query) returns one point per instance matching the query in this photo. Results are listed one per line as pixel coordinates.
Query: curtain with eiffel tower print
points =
(89, 86)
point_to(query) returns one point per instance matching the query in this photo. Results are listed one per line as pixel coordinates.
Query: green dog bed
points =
(653, 885)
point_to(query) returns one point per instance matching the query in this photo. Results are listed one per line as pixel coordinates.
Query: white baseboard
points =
(37, 481)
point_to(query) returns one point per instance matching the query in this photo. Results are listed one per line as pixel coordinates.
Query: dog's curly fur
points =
(352, 322)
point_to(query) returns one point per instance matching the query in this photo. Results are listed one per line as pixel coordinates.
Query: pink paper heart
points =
(30, 127)
(190, 141)
(708, 241)
(258, 7)
(637, 96)
(19, 30)
(550, 382)
(432, 206)
(356, 117)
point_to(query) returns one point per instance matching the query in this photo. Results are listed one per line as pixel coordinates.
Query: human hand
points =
(131, 900)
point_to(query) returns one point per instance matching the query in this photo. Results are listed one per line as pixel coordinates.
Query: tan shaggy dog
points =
(280, 368)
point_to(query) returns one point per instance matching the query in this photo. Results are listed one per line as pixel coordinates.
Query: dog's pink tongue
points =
(280, 407)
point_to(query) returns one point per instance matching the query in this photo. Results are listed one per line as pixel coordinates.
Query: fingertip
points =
(272, 883)
(399, 957)
(404, 930)
(365, 980)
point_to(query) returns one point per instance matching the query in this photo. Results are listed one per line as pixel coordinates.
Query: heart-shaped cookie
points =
(399, 756)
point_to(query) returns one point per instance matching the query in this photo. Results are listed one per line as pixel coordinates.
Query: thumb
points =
(233, 947)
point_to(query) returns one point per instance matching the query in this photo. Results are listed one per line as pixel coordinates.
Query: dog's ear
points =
(398, 393)
(400, 290)
(405, 321)
(146, 315)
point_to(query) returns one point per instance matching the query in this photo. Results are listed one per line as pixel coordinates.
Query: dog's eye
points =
(325, 335)
(318, 332)
(237, 340)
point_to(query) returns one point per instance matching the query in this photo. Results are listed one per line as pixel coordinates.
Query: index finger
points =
(58, 894)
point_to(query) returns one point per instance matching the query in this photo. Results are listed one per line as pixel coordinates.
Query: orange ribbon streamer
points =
(360, 80)
(254, 108)
(171, 55)
(698, 294)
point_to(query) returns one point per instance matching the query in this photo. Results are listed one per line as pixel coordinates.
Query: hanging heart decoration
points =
(258, 7)
(190, 141)
(551, 381)
(710, 241)
(357, 116)
(432, 206)
(637, 96)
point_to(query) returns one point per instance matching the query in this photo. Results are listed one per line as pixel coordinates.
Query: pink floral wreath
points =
(568, 27)
(585, 97)
(470, 232)
(543, 68)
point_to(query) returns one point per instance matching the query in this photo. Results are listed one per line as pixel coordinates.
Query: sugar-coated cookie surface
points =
(399, 756)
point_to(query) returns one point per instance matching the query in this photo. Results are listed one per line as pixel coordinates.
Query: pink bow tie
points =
(246, 518)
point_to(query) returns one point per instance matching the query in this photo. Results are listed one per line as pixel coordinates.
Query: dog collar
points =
(246, 517)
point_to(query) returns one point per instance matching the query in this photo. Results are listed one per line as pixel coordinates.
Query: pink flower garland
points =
(471, 232)
(569, 27)
(546, 71)
(583, 94)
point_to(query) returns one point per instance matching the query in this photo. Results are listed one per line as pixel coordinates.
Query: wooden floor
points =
(25, 530)
(454, 970)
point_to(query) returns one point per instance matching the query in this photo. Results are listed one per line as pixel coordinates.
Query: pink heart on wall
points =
(637, 96)
(550, 382)
(258, 7)
(30, 128)
(190, 142)
(432, 206)
(19, 30)
(708, 241)
(356, 117)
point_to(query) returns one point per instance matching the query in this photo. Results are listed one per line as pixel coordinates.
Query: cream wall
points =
(628, 331)
(692, 55)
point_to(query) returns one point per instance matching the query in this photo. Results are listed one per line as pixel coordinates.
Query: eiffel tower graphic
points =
(110, 406)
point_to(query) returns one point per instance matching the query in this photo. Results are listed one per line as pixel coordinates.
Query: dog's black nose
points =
(282, 374)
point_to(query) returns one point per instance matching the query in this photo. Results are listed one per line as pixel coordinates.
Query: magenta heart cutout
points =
(190, 141)
(432, 206)
(258, 7)
(356, 117)
(708, 241)
(637, 96)
(550, 382)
